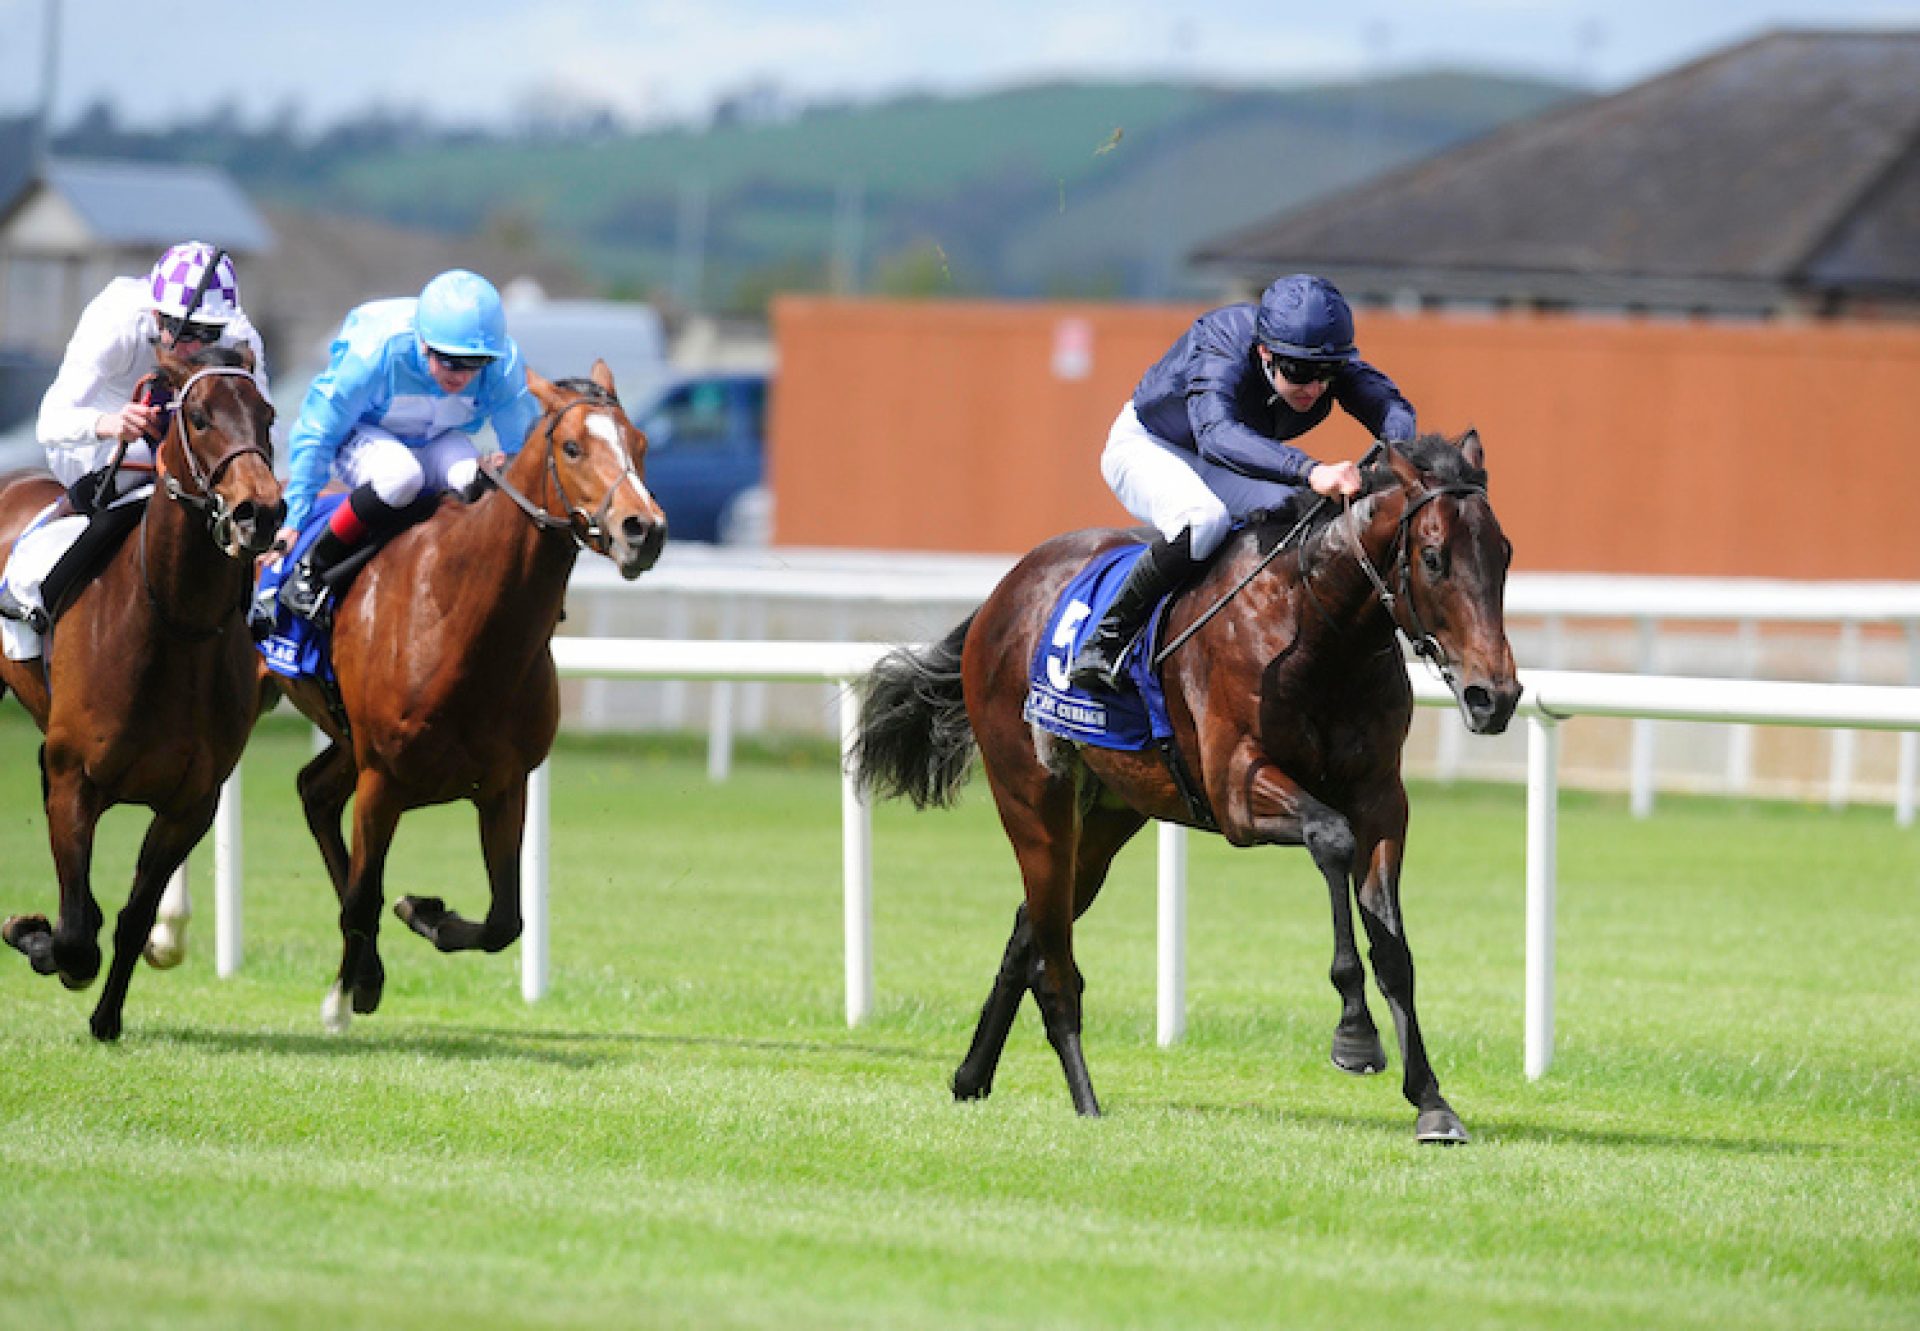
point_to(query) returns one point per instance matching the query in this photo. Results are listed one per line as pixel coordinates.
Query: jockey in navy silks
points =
(393, 415)
(1204, 440)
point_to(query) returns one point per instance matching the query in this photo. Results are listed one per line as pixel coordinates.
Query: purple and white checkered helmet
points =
(179, 272)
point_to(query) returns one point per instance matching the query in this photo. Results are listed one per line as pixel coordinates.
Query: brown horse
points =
(146, 691)
(446, 677)
(1290, 702)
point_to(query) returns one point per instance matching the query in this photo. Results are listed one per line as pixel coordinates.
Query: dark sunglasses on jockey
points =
(460, 364)
(1302, 372)
(189, 330)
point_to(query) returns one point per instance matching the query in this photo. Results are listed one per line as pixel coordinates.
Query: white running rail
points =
(1551, 697)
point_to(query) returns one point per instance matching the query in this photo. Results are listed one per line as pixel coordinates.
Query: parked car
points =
(707, 454)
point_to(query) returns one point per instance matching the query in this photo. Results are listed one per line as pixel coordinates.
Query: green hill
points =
(1053, 189)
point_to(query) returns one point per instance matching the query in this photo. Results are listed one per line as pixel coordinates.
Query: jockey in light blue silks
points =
(393, 414)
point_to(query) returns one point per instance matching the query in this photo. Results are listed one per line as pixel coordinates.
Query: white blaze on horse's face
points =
(602, 426)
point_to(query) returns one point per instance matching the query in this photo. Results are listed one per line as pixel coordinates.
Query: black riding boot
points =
(304, 588)
(1100, 663)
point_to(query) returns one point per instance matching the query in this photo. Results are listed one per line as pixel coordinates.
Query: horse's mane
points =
(586, 388)
(1434, 454)
(216, 356)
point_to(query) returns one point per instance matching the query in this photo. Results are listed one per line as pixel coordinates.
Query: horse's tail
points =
(915, 739)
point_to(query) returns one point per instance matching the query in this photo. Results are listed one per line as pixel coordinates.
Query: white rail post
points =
(228, 870)
(856, 852)
(1543, 781)
(1642, 776)
(1740, 737)
(1909, 740)
(534, 833)
(720, 709)
(1845, 742)
(1171, 1024)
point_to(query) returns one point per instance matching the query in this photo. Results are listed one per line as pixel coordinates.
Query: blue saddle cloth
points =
(1132, 719)
(293, 646)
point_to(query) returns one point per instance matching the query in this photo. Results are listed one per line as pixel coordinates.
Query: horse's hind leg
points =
(325, 785)
(167, 844)
(1101, 834)
(502, 823)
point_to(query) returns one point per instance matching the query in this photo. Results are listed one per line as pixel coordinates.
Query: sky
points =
(488, 62)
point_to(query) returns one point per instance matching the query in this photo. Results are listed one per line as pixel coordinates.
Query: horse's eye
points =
(1433, 561)
(198, 419)
(571, 447)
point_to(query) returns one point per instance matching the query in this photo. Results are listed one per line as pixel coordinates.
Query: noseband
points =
(205, 500)
(588, 531)
(1424, 644)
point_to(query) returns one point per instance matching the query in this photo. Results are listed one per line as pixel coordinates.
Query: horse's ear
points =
(603, 376)
(1470, 445)
(550, 397)
(1403, 468)
(246, 357)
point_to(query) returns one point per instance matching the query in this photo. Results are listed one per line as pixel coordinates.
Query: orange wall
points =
(1614, 446)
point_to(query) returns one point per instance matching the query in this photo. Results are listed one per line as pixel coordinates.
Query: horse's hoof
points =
(421, 914)
(370, 985)
(1361, 1055)
(966, 1088)
(166, 947)
(105, 1026)
(334, 1016)
(1441, 1126)
(19, 928)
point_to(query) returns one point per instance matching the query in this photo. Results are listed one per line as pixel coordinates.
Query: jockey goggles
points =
(1302, 372)
(460, 364)
(188, 330)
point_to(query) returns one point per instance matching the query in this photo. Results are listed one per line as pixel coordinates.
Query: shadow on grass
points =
(1494, 1131)
(575, 1049)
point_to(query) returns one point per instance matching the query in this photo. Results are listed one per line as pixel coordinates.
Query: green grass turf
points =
(686, 1134)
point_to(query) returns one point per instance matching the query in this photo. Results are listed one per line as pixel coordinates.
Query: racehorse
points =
(1288, 697)
(447, 688)
(146, 689)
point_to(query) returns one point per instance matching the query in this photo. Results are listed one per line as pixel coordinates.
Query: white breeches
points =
(399, 472)
(34, 554)
(1172, 490)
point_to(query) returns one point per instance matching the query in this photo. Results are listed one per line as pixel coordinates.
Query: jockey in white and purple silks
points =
(408, 383)
(1204, 440)
(190, 300)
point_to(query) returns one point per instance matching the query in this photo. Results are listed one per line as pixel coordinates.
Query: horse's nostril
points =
(1479, 699)
(634, 529)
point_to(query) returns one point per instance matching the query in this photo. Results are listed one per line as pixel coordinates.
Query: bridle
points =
(1424, 644)
(209, 503)
(588, 531)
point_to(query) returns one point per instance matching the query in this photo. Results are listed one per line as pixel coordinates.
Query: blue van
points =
(706, 456)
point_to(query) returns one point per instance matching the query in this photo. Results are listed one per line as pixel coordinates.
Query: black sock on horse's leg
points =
(973, 1079)
(1060, 1013)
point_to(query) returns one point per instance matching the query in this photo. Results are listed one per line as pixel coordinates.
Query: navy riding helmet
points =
(1305, 318)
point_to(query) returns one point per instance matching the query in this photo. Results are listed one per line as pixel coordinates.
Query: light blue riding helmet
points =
(459, 314)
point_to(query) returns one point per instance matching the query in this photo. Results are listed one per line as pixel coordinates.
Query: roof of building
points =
(151, 203)
(1786, 167)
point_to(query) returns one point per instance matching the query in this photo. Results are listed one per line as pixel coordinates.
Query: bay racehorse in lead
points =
(1287, 694)
(447, 688)
(146, 691)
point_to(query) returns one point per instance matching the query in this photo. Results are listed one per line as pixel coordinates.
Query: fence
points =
(1551, 697)
(1847, 632)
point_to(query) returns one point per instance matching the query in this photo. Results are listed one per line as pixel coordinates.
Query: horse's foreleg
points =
(1393, 971)
(502, 825)
(74, 805)
(376, 811)
(1260, 805)
(167, 844)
